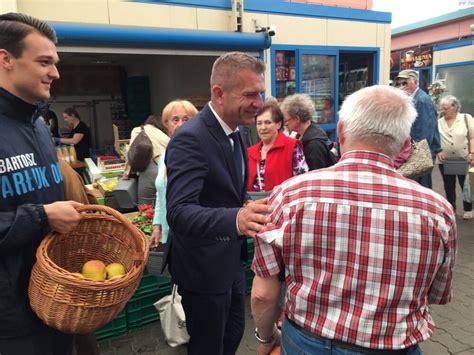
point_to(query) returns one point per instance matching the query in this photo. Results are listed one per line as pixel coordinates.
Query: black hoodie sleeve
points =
(315, 152)
(22, 227)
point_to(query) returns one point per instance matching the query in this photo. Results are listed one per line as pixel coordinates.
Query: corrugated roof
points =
(434, 21)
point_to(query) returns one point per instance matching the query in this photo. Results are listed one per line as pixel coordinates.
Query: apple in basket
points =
(94, 270)
(114, 271)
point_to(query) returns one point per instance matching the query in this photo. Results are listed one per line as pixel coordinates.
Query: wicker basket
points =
(79, 306)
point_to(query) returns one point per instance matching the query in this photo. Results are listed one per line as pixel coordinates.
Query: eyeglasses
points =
(401, 83)
(285, 122)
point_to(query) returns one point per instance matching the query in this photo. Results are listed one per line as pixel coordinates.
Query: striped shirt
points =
(364, 251)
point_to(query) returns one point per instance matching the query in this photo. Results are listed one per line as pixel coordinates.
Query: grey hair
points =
(299, 105)
(226, 68)
(453, 101)
(379, 115)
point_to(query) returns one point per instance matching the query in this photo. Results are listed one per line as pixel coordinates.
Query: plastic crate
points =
(140, 308)
(249, 275)
(115, 328)
(102, 151)
(141, 311)
(250, 248)
(150, 283)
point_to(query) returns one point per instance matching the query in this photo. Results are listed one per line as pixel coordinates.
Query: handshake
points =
(253, 216)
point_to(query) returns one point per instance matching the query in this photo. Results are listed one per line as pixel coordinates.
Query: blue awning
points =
(151, 37)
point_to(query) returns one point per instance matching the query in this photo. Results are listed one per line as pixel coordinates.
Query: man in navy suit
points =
(209, 213)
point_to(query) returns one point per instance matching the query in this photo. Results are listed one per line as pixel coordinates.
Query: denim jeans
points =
(295, 342)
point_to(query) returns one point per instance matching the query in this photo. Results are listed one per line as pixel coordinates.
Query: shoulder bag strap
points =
(468, 135)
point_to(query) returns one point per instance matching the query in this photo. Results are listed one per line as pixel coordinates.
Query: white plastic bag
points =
(172, 318)
(466, 191)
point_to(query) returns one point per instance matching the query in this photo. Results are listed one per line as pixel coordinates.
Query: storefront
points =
(115, 72)
(441, 48)
(327, 74)
(121, 74)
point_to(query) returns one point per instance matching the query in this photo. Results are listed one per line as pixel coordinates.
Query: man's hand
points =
(266, 349)
(63, 216)
(253, 216)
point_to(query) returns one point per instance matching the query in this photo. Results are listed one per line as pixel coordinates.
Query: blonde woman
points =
(454, 129)
(174, 115)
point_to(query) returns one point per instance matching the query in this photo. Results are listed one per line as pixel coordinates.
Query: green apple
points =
(115, 269)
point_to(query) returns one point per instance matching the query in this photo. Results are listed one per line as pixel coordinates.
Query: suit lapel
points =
(218, 133)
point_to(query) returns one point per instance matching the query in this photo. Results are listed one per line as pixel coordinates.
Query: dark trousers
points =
(86, 344)
(44, 341)
(425, 181)
(449, 182)
(215, 322)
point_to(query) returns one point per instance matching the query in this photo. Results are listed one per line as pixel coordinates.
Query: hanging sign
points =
(416, 58)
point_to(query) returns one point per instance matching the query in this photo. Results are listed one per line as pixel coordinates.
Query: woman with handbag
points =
(457, 142)
(156, 132)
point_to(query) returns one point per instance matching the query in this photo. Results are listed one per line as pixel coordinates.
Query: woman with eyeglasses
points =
(457, 143)
(298, 111)
(175, 114)
(276, 157)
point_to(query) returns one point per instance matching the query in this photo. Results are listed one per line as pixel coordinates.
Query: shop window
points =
(285, 74)
(459, 81)
(355, 72)
(318, 73)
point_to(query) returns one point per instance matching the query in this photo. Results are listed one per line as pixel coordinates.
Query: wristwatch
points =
(267, 341)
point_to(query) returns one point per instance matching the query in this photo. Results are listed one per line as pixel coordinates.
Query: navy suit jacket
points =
(204, 252)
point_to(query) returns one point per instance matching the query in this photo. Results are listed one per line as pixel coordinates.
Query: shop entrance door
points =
(317, 78)
(356, 71)
(425, 78)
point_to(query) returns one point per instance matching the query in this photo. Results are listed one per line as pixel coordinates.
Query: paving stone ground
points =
(454, 332)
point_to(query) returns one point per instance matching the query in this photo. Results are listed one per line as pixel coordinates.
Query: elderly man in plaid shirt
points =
(364, 250)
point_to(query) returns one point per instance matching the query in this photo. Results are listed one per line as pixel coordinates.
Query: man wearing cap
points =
(425, 126)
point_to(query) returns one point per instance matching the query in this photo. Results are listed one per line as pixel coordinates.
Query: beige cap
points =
(407, 74)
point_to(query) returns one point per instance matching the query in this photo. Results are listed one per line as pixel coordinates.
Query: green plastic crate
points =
(140, 309)
(249, 275)
(150, 283)
(250, 248)
(115, 328)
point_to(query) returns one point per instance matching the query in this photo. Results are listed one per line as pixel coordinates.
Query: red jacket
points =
(279, 161)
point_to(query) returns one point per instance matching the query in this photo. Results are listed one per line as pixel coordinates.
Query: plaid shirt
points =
(364, 251)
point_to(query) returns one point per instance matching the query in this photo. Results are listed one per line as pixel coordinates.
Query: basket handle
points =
(139, 255)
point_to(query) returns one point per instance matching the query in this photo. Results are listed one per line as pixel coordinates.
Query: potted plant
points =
(436, 90)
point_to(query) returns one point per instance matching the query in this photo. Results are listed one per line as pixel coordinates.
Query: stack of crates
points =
(248, 273)
(140, 309)
(115, 328)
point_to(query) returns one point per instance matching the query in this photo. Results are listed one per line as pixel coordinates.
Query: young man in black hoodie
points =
(31, 188)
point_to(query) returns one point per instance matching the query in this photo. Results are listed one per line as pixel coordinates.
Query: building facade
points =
(122, 60)
(441, 48)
